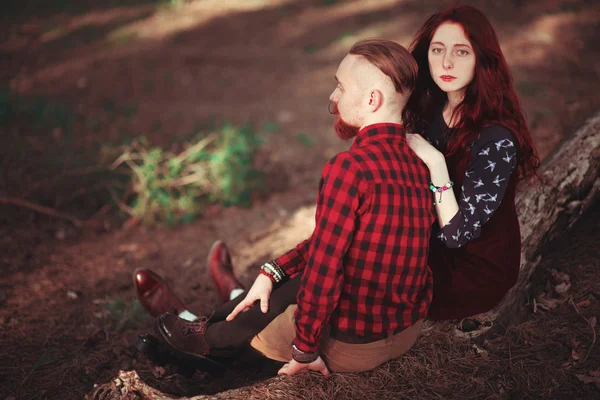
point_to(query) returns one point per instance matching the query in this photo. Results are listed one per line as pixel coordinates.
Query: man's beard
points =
(344, 130)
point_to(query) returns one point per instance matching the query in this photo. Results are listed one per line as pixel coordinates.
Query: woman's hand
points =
(260, 290)
(424, 150)
(438, 173)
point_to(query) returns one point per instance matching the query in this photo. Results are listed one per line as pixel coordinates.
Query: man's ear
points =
(375, 100)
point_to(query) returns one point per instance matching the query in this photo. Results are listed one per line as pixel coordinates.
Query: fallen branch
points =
(128, 386)
(42, 210)
(32, 188)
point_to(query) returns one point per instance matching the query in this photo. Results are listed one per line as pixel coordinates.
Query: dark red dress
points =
(473, 278)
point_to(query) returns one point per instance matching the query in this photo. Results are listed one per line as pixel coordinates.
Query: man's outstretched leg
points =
(213, 335)
(213, 332)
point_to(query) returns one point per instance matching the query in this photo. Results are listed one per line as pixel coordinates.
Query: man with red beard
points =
(361, 281)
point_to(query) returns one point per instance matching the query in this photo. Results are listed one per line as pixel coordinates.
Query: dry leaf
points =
(583, 303)
(72, 295)
(575, 355)
(188, 263)
(592, 321)
(595, 373)
(158, 371)
(479, 350)
(588, 379)
(563, 287)
(549, 303)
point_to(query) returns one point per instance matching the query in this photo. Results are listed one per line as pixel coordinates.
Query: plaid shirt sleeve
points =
(294, 260)
(321, 285)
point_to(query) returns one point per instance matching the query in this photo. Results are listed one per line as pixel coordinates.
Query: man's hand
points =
(260, 290)
(294, 367)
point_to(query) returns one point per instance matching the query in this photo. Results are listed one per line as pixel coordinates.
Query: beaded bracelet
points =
(440, 190)
(278, 272)
(268, 270)
(268, 274)
(273, 271)
(275, 265)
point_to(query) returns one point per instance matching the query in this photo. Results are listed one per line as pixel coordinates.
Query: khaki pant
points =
(275, 342)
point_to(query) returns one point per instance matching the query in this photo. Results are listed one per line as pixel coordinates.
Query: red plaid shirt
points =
(365, 268)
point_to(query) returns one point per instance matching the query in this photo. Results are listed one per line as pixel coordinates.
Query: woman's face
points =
(451, 58)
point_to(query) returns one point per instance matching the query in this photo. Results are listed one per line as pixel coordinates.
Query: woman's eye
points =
(462, 52)
(436, 50)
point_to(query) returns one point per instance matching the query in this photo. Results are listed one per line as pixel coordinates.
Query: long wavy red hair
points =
(489, 98)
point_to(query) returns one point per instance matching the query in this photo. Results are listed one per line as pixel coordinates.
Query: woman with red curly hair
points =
(477, 148)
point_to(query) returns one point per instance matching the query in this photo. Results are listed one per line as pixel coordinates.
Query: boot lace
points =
(195, 327)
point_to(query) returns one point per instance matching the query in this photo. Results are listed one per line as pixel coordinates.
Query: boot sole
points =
(156, 352)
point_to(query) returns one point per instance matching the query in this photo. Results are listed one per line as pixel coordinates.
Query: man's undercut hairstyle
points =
(392, 59)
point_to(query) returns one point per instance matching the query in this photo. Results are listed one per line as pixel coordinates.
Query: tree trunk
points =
(550, 207)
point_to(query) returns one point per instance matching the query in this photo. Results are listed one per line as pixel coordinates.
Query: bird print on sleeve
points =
(494, 158)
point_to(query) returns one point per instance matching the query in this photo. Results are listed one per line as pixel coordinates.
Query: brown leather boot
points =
(154, 294)
(221, 270)
(188, 339)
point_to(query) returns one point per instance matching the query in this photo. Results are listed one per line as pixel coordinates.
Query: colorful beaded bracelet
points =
(440, 189)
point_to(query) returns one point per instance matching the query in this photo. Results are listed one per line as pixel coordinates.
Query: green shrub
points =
(216, 168)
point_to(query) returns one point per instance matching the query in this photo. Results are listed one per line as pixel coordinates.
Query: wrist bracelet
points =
(270, 272)
(440, 190)
(276, 273)
(267, 274)
(275, 265)
(302, 357)
(273, 271)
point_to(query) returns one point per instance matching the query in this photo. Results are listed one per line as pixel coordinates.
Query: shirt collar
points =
(379, 130)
